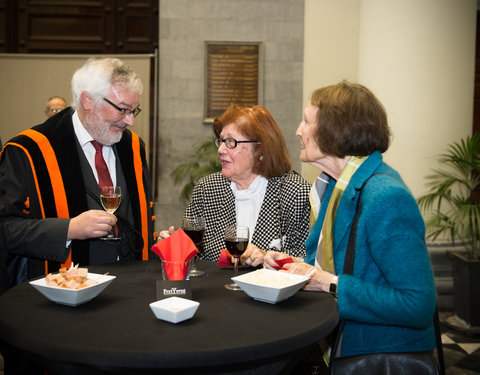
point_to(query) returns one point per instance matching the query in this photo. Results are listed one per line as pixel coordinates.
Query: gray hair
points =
(97, 76)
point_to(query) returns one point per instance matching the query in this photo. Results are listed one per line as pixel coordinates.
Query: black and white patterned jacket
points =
(283, 221)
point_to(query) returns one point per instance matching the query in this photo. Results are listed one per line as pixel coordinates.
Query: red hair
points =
(271, 158)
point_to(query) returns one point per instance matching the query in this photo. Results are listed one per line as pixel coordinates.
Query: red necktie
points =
(104, 178)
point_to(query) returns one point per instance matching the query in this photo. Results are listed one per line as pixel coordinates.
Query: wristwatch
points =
(333, 286)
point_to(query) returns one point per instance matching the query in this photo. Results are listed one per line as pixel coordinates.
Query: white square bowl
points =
(174, 309)
(73, 297)
(269, 285)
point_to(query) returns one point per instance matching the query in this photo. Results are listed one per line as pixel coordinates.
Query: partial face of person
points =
(237, 163)
(105, 122)
(309, 150)
(55, 105)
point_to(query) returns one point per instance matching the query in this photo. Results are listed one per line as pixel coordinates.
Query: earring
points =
(261, 157)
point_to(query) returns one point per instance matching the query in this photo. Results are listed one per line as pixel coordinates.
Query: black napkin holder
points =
(174, 288)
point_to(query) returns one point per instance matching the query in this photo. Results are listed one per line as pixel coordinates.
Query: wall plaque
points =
(233, 72)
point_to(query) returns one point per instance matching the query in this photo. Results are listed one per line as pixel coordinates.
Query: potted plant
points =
(453, 205)
(204, 162)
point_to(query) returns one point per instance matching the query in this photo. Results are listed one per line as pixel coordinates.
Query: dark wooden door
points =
(79, 26)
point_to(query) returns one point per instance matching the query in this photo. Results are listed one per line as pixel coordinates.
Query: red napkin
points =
(176, 248)
(225, 259)
(283, 261)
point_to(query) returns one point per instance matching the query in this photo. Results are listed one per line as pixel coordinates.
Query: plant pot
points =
(466, 283)
(442, 272)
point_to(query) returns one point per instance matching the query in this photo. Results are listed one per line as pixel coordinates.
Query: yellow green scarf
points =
(327, 230)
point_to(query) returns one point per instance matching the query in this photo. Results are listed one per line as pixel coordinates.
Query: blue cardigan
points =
(389, 301)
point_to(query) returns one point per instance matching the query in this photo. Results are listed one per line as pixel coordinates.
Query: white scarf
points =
(248, 202)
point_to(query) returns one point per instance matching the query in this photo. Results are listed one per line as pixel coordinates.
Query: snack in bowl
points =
(73, 278)
(72, 289)
(269, 285)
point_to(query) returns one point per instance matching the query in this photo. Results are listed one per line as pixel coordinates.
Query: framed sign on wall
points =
(233, 75)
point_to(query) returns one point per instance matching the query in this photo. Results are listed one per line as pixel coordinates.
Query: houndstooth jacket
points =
(283, 221)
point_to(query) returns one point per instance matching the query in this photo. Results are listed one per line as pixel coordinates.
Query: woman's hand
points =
(269, 261)
(253, 256)
(166, 233)
(320, 280)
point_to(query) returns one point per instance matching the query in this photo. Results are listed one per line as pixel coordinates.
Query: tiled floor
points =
(461, 348)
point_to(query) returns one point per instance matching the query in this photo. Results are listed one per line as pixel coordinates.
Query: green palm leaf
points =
(204, 162)
(453, 198)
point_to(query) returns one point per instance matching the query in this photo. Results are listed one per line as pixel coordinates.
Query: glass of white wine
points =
(110, 197)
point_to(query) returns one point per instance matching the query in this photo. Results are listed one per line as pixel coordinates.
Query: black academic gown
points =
(31, 231)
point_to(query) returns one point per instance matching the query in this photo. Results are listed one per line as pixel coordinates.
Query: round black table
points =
(118, 333)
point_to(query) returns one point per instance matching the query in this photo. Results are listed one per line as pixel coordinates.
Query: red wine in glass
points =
(194, 227)
(236, 246)
(236, 241)
(196, 236)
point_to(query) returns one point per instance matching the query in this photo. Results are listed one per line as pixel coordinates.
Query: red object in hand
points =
(225, 260)
(283, 261)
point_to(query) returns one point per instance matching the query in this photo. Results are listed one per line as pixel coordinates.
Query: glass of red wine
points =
(194, 227)
(236, 241)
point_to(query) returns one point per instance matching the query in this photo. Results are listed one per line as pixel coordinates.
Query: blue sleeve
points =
(393, 280)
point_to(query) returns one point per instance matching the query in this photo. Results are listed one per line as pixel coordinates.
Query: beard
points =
(103, 131)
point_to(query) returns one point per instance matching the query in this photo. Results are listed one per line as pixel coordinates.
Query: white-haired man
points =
(50, 211)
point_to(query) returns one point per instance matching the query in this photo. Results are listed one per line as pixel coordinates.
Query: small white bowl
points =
(73, 297)
(174, 309)
(269, 285)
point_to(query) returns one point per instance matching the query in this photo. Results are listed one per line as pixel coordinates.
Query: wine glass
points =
(110, 197)
(194, 227)
(236, 241)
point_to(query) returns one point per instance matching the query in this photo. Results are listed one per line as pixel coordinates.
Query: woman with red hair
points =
(256, 187)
